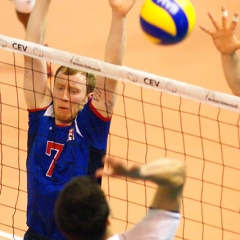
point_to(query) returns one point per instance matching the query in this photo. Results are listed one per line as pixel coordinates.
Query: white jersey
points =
(156, 225)
(24, 6)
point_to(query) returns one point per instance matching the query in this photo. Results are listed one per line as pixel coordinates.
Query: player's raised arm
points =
(168, 174)
(227, 44)
(36, 92)
(106, 89)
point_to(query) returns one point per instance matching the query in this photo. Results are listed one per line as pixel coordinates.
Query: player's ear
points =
(109, 221)
(90, 95)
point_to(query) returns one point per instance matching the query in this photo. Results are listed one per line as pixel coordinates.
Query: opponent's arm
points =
(168, 174)
(231, 68)
(36, 92)
(227, 44)
(106, 89)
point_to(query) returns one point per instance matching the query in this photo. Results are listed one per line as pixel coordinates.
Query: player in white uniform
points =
(82, 211)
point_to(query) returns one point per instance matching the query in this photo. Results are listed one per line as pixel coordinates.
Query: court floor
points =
(81, 27)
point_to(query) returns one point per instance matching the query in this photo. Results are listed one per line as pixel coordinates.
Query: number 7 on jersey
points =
(58, 147)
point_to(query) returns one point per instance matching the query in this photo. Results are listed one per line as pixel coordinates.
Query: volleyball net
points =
(154, 117)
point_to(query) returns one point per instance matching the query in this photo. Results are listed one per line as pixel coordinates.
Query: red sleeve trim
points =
(95, 111)
(37, 109)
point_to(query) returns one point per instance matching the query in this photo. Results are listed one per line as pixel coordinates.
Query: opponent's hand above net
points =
(163, 171)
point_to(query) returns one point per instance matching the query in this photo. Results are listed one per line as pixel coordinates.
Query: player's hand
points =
(223, 36)
(118, 167)
(163, 171)
(122, 6)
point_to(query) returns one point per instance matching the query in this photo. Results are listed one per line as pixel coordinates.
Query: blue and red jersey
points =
(55, 155)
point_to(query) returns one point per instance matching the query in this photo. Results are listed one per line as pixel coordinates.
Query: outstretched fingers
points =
(213, 20)
(118, 167)
(224, 26)
(224, 17)
(234, 21)
(206, 30)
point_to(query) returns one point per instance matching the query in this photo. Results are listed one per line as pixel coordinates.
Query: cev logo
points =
(151, 82)
(19, 47)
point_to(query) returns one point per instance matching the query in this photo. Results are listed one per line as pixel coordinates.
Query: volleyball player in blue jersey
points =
(68, 127)
(227, 44)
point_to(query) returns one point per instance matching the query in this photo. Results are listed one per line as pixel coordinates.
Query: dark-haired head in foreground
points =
(82, 211)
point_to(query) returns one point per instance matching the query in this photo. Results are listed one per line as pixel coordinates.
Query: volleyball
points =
(167, 21)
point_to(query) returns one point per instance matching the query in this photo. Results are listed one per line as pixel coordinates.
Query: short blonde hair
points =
(90, 78)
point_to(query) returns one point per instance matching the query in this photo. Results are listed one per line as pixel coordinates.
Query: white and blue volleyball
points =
(167, 21)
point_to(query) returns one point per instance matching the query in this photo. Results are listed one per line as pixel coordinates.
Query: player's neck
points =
(62, 124)
(109, 232)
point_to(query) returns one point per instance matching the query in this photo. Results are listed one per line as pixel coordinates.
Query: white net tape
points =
(121, 73)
